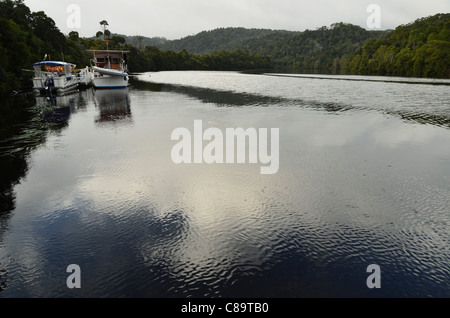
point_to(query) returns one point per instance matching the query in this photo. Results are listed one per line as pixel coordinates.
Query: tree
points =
(15, 56)
(104, 24)
(417, 49)
(104, 31)
(16, 11)
(117, 42)
(73, 35)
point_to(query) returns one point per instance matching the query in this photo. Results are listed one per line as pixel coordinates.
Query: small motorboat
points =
(57, 77)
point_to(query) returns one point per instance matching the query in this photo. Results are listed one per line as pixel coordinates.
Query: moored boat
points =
(58, 77)
(109, 69)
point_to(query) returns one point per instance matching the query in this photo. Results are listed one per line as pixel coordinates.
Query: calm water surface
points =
(364, 179)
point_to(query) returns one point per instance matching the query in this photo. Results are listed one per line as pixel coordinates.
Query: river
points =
(362, 178)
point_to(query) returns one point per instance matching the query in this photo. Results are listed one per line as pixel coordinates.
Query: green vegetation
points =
(418, 49)
(152, 59)
(27, 37)
(219, 39)
(316, 51)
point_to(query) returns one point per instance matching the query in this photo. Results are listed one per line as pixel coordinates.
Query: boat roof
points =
(53, 63)
(107, 51)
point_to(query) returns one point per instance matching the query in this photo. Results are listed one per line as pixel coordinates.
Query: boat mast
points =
(107, 54)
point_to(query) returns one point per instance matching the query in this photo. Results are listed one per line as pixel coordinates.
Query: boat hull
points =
(109, 69)
(62, 83)
(110, 82)
(61, 88)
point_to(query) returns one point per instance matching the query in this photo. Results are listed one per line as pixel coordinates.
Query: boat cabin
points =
(55, 68)
(64, 76)
(110, 59)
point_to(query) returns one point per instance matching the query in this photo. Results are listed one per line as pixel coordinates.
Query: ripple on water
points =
(362, 181)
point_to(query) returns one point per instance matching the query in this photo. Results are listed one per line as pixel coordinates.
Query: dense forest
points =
(309, 51)
(420, 48)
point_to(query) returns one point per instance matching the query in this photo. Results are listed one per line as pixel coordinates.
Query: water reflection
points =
(359, 78)
(72, 100)
(211, 96)
(221, 98)
(419, 101)
(25, 124)
(353, 189)
(57, 110)
(114, 107)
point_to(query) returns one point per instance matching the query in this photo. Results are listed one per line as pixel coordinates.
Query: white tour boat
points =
(59, 77)
(109, 69)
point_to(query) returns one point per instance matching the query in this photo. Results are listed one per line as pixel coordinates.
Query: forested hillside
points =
(311, 51)
(218, 39)
(420, 49)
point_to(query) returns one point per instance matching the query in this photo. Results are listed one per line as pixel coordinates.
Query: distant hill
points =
(420, 48)
(142, 41)
(312, 50)
(316, 51)
(215, 40)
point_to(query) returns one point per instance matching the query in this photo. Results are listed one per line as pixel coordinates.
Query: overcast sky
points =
(174, 19)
